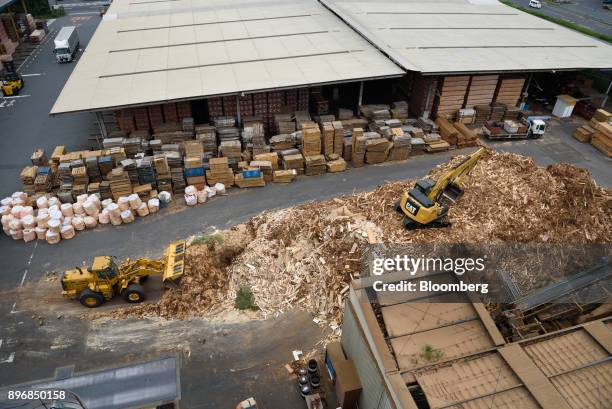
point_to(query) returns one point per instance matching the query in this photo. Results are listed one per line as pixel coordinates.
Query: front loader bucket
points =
(175, 261)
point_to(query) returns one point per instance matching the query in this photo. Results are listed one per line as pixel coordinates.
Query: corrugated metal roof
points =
(453, 36)
(155, 51)
(565, 352)
(587, 388)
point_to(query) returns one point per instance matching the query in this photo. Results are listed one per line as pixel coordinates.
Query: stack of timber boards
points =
(315, 165)
(119, 183)
(219, 172)
(482, 90)
(602, 138)
(452, 94)
(509, 91)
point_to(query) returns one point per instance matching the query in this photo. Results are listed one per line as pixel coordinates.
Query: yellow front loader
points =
(105, 279)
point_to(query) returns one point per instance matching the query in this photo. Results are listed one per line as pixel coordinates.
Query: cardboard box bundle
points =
(377, 150)
(219, 172)
(265, 166)
(295, 162)
(284, 176)
(315, 165)
(358, 147)
(311, 140)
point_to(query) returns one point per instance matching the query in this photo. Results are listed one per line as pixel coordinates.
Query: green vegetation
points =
(245, 300)
(211, 240)
(561, 22)
(38, 9)
(431, 354)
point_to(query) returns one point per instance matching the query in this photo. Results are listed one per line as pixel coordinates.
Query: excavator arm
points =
(449, 184)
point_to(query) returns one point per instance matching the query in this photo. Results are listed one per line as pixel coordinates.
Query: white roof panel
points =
(155, 51)
(452, 36)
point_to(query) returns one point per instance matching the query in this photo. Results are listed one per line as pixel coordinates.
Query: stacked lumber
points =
(447, 130)
(602, 115)
(509, 91)
(452, 93)
(482, 90)
(119, 183)
(284, 124)
(338, 136)
(584, 133)
(358, 147)
(79, 175)
(375, 111)
(164, 177)
(466, 136)
(602, 138)
(242, 182)
(193, 148)
(219, 172)
(294, 162)
(28, 176)
(282, 142)
(271, 157)
(58, 151)
(105, 190)
(156, 116)
(483, 113)
(421, 88)
(208, 135)
(498, 111)
(401, 148)
(466, 116)
(399, 110)
(231, 150)
(42, 183)
(146, 173)
(179, 183)
(328, 137)
(437, 146)
(347, 149)
(93, 170)
(336, 165)
(311, 140)
(377, 150)
(265, 167)
(315, 165)
(39, 158)
(284, 176)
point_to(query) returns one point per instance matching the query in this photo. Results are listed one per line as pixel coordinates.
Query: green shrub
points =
(211, 240)
(245, 300)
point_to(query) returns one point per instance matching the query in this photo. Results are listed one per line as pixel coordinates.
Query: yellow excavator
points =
(12, 82)
(427, 204)
(105, 279)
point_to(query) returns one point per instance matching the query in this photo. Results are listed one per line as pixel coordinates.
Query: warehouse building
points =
(432, 353)
(159, 61)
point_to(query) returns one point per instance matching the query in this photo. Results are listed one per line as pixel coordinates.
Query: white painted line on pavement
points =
(13, 310)
(49, 22)
(1, 342)
(25, 274)
(30, 75)
(84, 13)
(17, 96)
(9, 360)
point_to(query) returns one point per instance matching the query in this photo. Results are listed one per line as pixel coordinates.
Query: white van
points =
(535, 4)
(66, 44)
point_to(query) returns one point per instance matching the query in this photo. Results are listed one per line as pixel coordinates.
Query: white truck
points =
(529, 128)
(66, 44)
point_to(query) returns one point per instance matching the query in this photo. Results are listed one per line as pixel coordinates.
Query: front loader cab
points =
(105, 269)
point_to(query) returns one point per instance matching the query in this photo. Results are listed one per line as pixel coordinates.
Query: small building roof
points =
(152, 51)
(459, 36)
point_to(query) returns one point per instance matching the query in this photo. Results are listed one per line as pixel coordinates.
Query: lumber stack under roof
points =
(482, 90)
(452, 94)
(509, 91)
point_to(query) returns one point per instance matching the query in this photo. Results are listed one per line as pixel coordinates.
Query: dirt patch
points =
(305, 256)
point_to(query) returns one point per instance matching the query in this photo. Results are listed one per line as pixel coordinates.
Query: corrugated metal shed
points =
(154, 51)
(453, 36)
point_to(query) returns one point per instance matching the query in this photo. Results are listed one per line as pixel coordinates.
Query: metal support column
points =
(238, 117)
(360, 101)
(605, 100)
(102, 125)
(430, 89)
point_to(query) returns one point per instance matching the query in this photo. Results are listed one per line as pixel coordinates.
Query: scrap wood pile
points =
(305, 256)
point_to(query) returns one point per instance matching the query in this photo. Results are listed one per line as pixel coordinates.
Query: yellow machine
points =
(12, 82)
(104, 280)
(426, 205)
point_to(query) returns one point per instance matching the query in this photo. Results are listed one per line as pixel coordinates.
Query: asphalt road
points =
(587, 13)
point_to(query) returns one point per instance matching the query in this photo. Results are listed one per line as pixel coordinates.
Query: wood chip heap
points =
(305, 256)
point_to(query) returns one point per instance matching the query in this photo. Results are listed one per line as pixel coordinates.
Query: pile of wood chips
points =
(305, 256)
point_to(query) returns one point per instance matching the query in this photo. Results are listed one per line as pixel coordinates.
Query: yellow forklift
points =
(105, 278)
(11, 82)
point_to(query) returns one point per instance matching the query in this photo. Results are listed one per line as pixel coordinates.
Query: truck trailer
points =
(66, 44)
